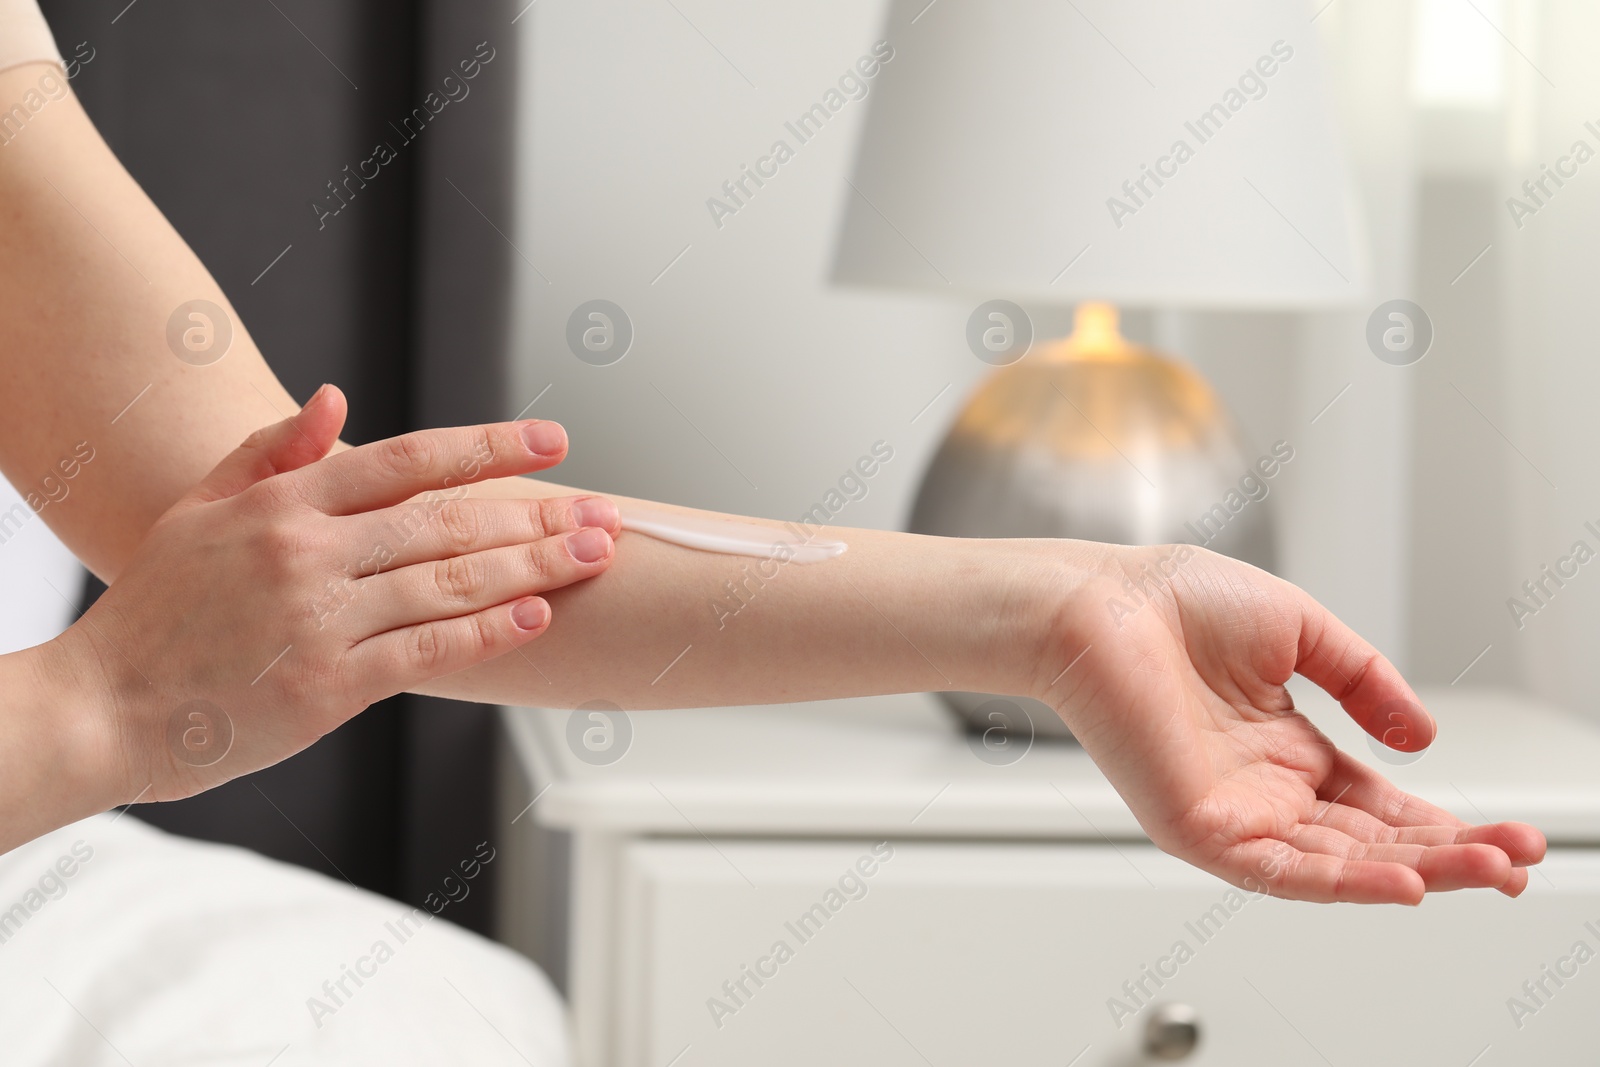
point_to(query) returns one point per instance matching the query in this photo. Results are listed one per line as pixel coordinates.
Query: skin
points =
(1181, 703)
(141, 700)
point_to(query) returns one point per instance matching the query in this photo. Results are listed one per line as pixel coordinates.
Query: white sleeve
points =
(24, 35)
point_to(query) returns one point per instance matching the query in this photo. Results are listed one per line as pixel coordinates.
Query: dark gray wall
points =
(234, 117)
(461, 282)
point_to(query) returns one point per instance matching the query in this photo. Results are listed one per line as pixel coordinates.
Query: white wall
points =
(31, 562)
(1548, 374)
(632, 119)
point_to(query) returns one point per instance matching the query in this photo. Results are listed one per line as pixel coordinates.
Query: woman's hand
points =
(291, 589)
(1180, 699)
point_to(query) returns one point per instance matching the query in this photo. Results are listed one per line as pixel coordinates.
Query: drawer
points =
(806, 953)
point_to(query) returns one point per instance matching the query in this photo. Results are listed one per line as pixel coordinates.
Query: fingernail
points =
(589, 545)
(544, 438)
(323, 388)
(530, 614)
(595, 511)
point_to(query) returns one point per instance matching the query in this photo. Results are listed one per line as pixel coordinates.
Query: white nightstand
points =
(1019, 900)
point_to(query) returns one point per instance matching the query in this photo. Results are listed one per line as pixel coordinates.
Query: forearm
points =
(90, 272)
(674, 627)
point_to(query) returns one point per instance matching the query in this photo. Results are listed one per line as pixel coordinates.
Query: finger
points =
(1359, 786)
(388, 472)
(420, 530)
(1364, 826)
(1294, 875)
(1367, 685)
(284, 446)
(1442, 867)
(1354, 784)
(394, 661)
(460, 584)
(1517, 840)
(1452, 867)
(1523, 843)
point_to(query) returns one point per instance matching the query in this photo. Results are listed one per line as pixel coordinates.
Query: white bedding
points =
(123, 945)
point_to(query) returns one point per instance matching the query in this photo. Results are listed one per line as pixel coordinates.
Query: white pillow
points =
(123, 944)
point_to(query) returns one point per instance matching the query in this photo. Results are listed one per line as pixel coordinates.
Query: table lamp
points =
(1145, 154)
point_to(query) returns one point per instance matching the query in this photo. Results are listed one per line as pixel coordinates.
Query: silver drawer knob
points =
(1172, 1032)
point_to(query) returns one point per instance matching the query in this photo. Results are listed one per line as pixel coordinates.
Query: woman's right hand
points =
(291, 589)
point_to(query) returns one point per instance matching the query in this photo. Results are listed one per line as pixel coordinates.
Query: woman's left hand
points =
(1180, 699)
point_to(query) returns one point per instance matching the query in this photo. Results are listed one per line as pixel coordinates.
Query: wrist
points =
(50, 749)
(79, 722)
(1026, 594)
(1060, 582)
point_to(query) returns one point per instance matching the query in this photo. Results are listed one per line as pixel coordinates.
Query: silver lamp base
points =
(1094, 439)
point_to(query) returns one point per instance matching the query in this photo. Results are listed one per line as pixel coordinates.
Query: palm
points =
(1183, 705)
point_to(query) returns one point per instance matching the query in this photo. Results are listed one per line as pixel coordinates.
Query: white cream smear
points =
(731, 538)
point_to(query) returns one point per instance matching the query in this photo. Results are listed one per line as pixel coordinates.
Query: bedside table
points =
(862, 882)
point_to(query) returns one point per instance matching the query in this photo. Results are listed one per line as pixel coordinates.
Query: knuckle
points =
(428, 647)
(268, 496)
(458, 578)
(485, 637)
(431, 647)
(541, 568)
(485, 448)
(310, 680)
(285, 541)
(256, 442)
(461, 525)
(551, 516)
(410, 455)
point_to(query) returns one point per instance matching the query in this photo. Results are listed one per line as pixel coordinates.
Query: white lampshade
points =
(1000, 135)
